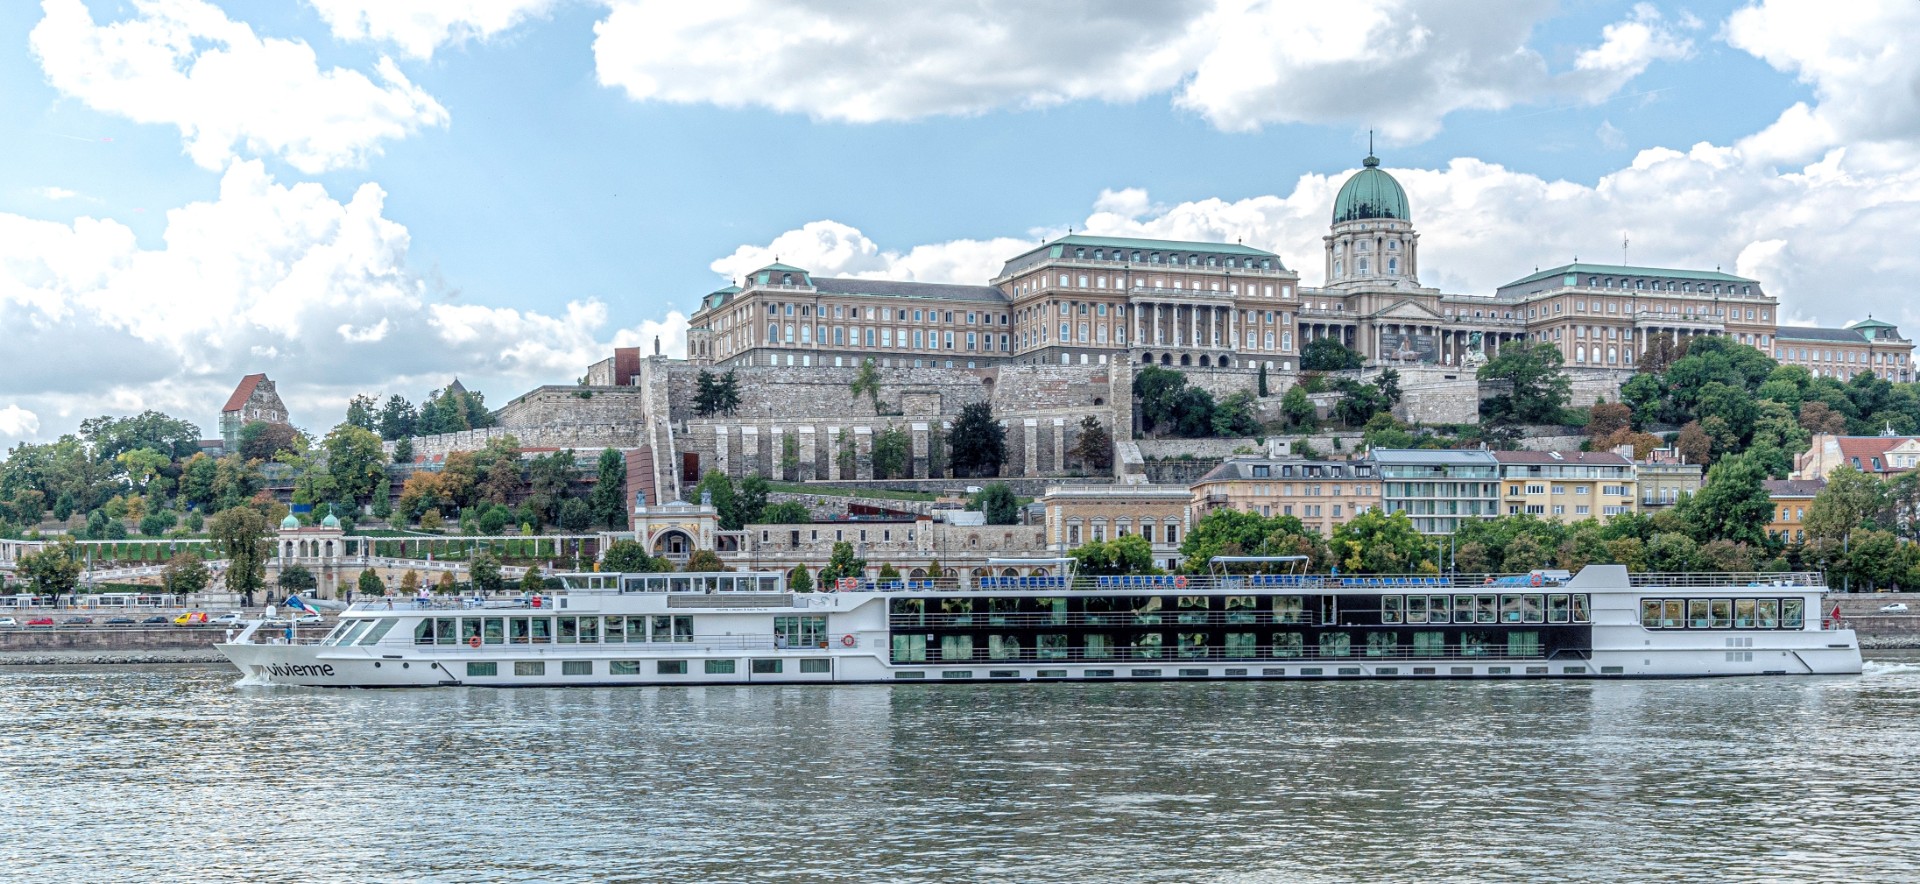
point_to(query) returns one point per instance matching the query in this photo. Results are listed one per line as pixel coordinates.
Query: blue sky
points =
(375, 195)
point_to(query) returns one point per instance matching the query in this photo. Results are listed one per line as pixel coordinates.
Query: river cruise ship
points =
(747, 628)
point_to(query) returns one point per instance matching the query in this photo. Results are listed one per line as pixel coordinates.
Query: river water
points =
(177, 774)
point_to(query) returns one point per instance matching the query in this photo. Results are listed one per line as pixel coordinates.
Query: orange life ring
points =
(1180, 582)
(1537, 580)
(849, 640)
(473, 642)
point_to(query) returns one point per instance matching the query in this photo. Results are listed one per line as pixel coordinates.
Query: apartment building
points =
(1437, 489)
(1567, 486)
(1323, 494)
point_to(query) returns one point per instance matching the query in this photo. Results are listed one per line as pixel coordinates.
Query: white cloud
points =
(268, 277)
(17, 421)
(418, 27)
(1240, 64)
(56, 193)
(1816, 237)
(1865, 76)
(184, 63)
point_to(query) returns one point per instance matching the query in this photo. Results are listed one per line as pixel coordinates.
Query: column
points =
(1030, 446)
(809, 455)
(1156, 324)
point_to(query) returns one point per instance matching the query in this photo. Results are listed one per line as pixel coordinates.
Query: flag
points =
(296, 603)
(1836, 612)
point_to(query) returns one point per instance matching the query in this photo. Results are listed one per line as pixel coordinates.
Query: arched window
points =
(773, 334)
(1393, 265)
(786, 279)
(789, 333)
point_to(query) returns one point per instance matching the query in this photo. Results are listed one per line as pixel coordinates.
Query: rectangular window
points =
(1523, 644)
(1557, 608)
(1383, 644)
(1335, 644)
(1766, 614)
(910, 648)
(956, 648)
(1793, 613)
(720, 667)
(576, 667)
(1722, 613)
(623, 667)
(530, 667)
(816, 666)
(1289, 644)
(480, 670)
(670, 667)
(1429, 644)
(767, 667)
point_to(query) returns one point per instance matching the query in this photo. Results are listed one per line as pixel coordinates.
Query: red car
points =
(44, 622)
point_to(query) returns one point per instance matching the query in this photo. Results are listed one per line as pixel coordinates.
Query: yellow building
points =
(1565, 486)
(1792, 498)
(1078, 514)
(1324, 494)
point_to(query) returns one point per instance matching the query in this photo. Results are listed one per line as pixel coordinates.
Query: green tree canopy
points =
(1376, 543)
(842, 563)
(1732, 504)
(185, 574)
(998, 502)
(1131, 554)
(356, 461)
(609, 495)
(239, 535)
(1328, 354)
(1538, 387)
(977, 444)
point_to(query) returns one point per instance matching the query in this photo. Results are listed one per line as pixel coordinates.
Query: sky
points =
(377, 196)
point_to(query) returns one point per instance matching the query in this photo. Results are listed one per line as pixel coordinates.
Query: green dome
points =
(331, 521)
(1371, 193)
(289, 523)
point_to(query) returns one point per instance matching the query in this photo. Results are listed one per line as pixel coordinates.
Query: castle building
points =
(253, 400)
(1095, 300)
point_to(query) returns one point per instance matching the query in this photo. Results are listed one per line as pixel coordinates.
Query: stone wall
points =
(570, 405)
(1590, 384)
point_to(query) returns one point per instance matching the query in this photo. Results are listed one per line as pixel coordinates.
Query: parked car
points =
(1895, 608)
(120, 621)
(8, 621)
(40, 623)
(158, 618)
(307, 619)
(77, 621)
(230, 618)
(191, 618)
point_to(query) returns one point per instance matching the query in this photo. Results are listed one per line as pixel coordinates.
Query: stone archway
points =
(673, 543)
(1146, 359)
(1186, 359)
(1203, 361)
(1166, 359)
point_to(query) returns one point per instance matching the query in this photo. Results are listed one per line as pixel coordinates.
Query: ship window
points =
(1557, 608)
(1146, 611)
(1742, 615)
(1099, 610)
(956, 648)
(542, 630)
(910, 648)
(1383, 644)
(576, 667)
(623, 667)
(1509, 608)
(1429, 644)
(1672, 614)
(1240, 609)
(446, 631)
(1054, 608)
(1437, 609)
(909, 612)
(518, 630)
(1242, 645)
(1523, 644)
(1289, 644)
(767, 667)
(1793, 613)
(1050, 647)
(1766, 613)
(616, 630)
(1289, 609)
(482, 669)
(569, 631)
(1473, 644)
(1580, 607)
(1146, 646)
(495, 631)
(1532, 608)
(1650, 613)
(1722, 613)
(423, 632)
(530, 668)
(800, 632)
(379, 631)
(1335, 644)
(1390, 608)
(1193, 608)
(1463, 609)
(1484, 609)
(670, 667)
(1416, 609)
(1193, 645)
(1099, 647)
(958, 612)
(1003, 647)
(352, 632)
(720, 667)
(1697, 616)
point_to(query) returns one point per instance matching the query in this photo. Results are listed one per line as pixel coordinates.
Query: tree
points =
(842, 563)
(729, 392)
(53, 570)
(1094, 448)
(609, 494)
(1229, 532)
(1732, 504)
(403, 450)
(706, 394)
(371, 584)
(1851, 500)
(1606, 419)
(530, 580)
(789, 512)
(262, 441)
(1662, 351)
(1537, 389)
(1374, 542)
(626, 557)
(431, 520)
(109, 436)
(1234, 416)
(444, 586)
(1694, 444)
(978, 443)
(867, 380)
(296, 579)
(891, 450)
(362, 411)
(356, 460)
(410, 583)
(397, 418)
(1328, 354)
(484, 570)
(1263, 380)
(799, 580)
(239, 535)
(575, 515)
(1819, 417)
(185, 574)
(1131, 554)
(1158, 390)
(888, 573)
(997, 501)
(705, 560)
(1297, 409)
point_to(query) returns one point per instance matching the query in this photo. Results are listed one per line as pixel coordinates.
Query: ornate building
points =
(254, 400)
(1093, 300)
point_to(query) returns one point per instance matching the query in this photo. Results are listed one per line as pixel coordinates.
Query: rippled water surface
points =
(177, 774)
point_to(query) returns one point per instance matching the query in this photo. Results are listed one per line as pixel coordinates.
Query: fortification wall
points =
(556, 405)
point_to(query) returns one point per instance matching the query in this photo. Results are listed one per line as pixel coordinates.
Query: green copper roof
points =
(1371, 193)
(1581, 269)
(766, 275)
